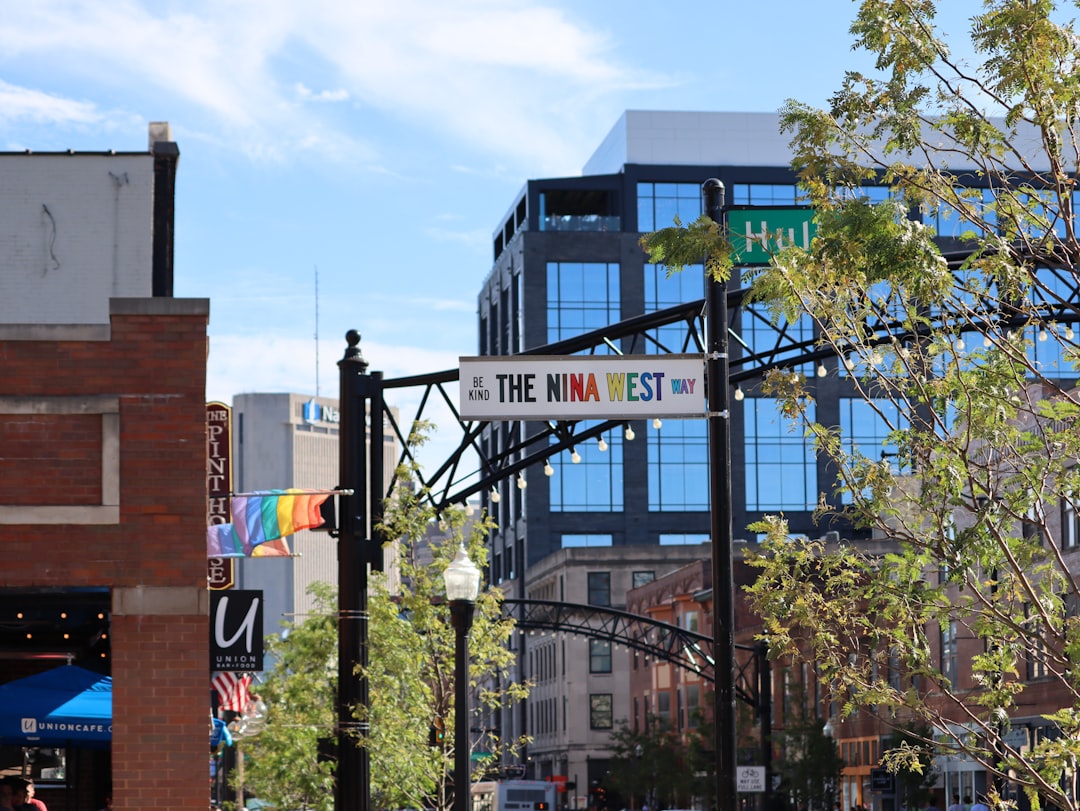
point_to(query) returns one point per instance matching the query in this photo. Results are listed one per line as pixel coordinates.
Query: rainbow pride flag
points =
(261, 519)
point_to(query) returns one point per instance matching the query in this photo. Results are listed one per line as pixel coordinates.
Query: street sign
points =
(758, 233)
(581, 387)
(750, 779)
(881, 780)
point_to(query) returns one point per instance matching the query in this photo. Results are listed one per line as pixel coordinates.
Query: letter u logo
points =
(247, 625)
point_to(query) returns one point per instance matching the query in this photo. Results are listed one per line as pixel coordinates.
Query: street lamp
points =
(462, 579)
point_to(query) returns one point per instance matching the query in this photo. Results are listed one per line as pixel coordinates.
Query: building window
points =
(578, 210)
(600, 588)
(639, 579)
(660, 203)
(662, 291)
(1070, 529)
(594, 483)
(690, 621)
(599, 656)
(781, 472)
(600, 712)
(776, 342)
(683, 538)
(766, 194)
(678, 457)
(865, 430)
(581, 541)
(663, 709)
(948, 652)
(693, 705)
(581, 296)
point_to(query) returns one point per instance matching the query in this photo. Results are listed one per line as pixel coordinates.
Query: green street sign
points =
(758, 233)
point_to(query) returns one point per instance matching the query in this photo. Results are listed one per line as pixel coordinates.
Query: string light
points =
(739, 395)
(986, 341)
(548, 469)
(1042, 335)
(521, 483)
(629, 434)
(960, 345)
(575, 457)
(821, 370)
(495, 497)
(601, 445)
(657, 423)
(1069, 332)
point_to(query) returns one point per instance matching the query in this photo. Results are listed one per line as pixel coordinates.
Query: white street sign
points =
(750, 779)
(549, 387)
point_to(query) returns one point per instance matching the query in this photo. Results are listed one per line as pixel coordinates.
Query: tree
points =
(810, 767)
(410, 673)
(968, 366)
(411, 661)
(281, 763)
(652, 767)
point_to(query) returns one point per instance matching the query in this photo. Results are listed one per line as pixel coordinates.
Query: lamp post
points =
(462, 579)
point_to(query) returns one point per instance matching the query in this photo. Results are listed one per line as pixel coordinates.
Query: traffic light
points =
(437, 733)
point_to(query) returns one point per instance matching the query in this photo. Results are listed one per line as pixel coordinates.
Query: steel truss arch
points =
(531, 443)
(660, 640)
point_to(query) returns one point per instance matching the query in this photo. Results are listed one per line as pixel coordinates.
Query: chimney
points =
(166, 156)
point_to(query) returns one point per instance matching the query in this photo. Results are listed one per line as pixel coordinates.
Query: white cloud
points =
(20, 103)
(513, 79)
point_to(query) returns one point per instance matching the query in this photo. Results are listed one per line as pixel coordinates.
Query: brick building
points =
(103, 472)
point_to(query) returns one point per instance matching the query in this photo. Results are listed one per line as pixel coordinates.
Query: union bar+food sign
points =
(582, 387)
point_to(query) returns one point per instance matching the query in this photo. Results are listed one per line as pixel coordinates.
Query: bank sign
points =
(576, 387)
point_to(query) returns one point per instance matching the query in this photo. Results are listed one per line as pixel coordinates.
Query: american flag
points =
(232, 690)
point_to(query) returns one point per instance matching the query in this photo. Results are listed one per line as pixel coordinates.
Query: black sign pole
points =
(719, 422)
(353, 778)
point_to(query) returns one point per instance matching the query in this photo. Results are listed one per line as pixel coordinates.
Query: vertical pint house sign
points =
(236, 630)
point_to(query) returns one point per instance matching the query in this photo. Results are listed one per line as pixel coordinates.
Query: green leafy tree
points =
(411, 661)
(410, 674)
(969, 367)
(651, 766)
(809, 768)
(281, 764)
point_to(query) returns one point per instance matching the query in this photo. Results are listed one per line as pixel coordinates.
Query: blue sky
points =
(379, 143)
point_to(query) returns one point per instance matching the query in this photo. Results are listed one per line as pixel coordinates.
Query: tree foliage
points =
(657, 767)
(410, 673)
(970, 365)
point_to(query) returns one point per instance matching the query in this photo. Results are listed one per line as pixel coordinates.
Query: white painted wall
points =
(75, 231)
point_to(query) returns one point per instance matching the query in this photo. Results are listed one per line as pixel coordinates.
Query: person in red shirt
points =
(31, 799)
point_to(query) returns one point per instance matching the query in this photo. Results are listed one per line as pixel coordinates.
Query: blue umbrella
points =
(68, 706)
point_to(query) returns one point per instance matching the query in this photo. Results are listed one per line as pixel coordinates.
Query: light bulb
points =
(657, 423)
(821, 370)
(601, 445)
(960, 344)
(986, 341)
(521, 483)
(1042, 335)
(739, 395)
(548, 469)
(629, 434)
(575, 457)
(495, 496)
(1069, 333)
(849, 363)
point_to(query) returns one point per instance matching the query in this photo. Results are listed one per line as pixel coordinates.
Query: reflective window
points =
(766, 194)
(776, 342)
(674, 539)
(641, 578)
(592, 484)
(582, 541)
(581, 296)
(599, 588)
(678, 456)
(663, 291)
(660, 203)
(599, 656)
(600, 711)
(865, 428)
(781, 473)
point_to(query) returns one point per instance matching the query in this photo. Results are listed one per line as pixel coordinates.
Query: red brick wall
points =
(154, 560)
